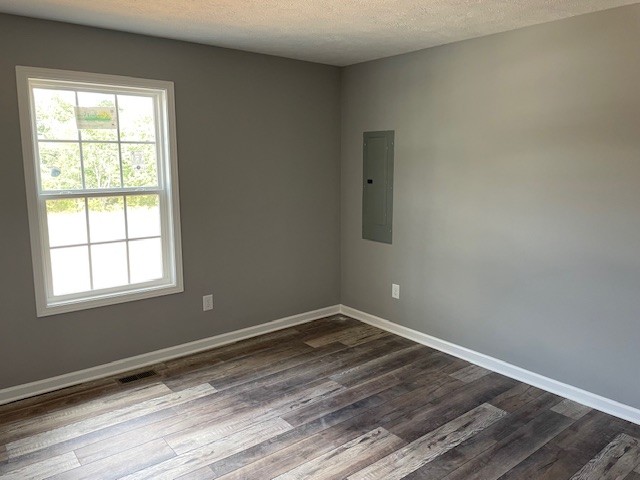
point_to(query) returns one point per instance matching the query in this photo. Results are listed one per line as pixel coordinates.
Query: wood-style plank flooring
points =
(331, 399)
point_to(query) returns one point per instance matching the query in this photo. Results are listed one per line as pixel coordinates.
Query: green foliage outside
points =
(60, 165)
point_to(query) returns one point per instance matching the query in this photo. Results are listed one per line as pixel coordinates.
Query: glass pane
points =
(55, 116)
(67, 222)
(93, 99)
(143, 215)
(109, 265)
(139, 165)
(137, 122)
(96, 99)
(60, 166)
(145, 260)
(101, 165)
(106, 219)
(70, 270)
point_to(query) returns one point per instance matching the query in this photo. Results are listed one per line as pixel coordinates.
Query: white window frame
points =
(163, 92)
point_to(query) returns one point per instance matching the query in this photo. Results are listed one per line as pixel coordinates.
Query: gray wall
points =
(258, 146)
(517, 197)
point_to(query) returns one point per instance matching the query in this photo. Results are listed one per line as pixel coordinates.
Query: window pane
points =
(137, 120)
(139, 165)
(101, 165)
(106, 219)
(67, 222)
(109, 265)
(55, 116)
(143, 215)
(96, 99)
(70, 270)
(145, 260)
(93, 99)
(60, 166)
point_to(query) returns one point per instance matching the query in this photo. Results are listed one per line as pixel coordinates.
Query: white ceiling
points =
(336, 32)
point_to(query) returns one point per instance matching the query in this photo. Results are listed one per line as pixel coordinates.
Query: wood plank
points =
(286, 451)
(504, 455)
(221, 377)
(132, 438)
(591, 433)
(365, 336)
(550, 462)
(252, 363)
(325, 364)
(426, 448)
(251, 346)
(67, 432)
(203, 473)
(402, 406)
(442, 410)
(616, 460)
(571, 409)
(217, 450)
(43, 469)
(380, 365)
(349, 336)
(25, 427)
(116, 466)
(325, 326)
(361, 423)
(470, 373)
(484, 440)
(282, 453)
(219, 417)
(377, 384)
(103, 434)
(565, 454)
(351, 456)
(30, 426)
(205, 433)
(516, 397)
(293, 377)
(266, 366)
(58, 399)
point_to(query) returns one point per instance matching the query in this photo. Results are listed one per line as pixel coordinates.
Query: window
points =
(101, 175)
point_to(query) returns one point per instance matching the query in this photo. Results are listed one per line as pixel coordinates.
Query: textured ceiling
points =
(337, 32)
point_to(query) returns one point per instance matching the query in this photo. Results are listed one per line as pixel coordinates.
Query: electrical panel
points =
(377, 186)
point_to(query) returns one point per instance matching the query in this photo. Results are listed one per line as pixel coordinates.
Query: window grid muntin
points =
(162, 237)
(156, 119)
(105, 242)
(167, 261)
(159, 119)
(86, 213)
(120, 150)
(124, 142)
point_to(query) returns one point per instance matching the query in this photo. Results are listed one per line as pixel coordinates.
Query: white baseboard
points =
(19, 392)
(583, 397)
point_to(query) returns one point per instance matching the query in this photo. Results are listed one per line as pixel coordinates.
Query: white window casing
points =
(127, 266)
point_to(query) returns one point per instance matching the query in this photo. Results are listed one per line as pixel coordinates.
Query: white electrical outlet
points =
(395, 291)
(207, 303)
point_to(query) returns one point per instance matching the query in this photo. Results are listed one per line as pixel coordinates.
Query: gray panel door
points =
(377, 186)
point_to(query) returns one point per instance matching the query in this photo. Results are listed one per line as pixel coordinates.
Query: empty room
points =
(320, 240)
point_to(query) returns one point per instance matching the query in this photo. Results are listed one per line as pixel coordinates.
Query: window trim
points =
(37, 216)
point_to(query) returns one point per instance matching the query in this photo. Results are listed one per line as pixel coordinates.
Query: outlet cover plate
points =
(207, 303)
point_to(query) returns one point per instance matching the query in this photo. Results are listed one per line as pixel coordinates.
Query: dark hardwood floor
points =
(331, 399)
